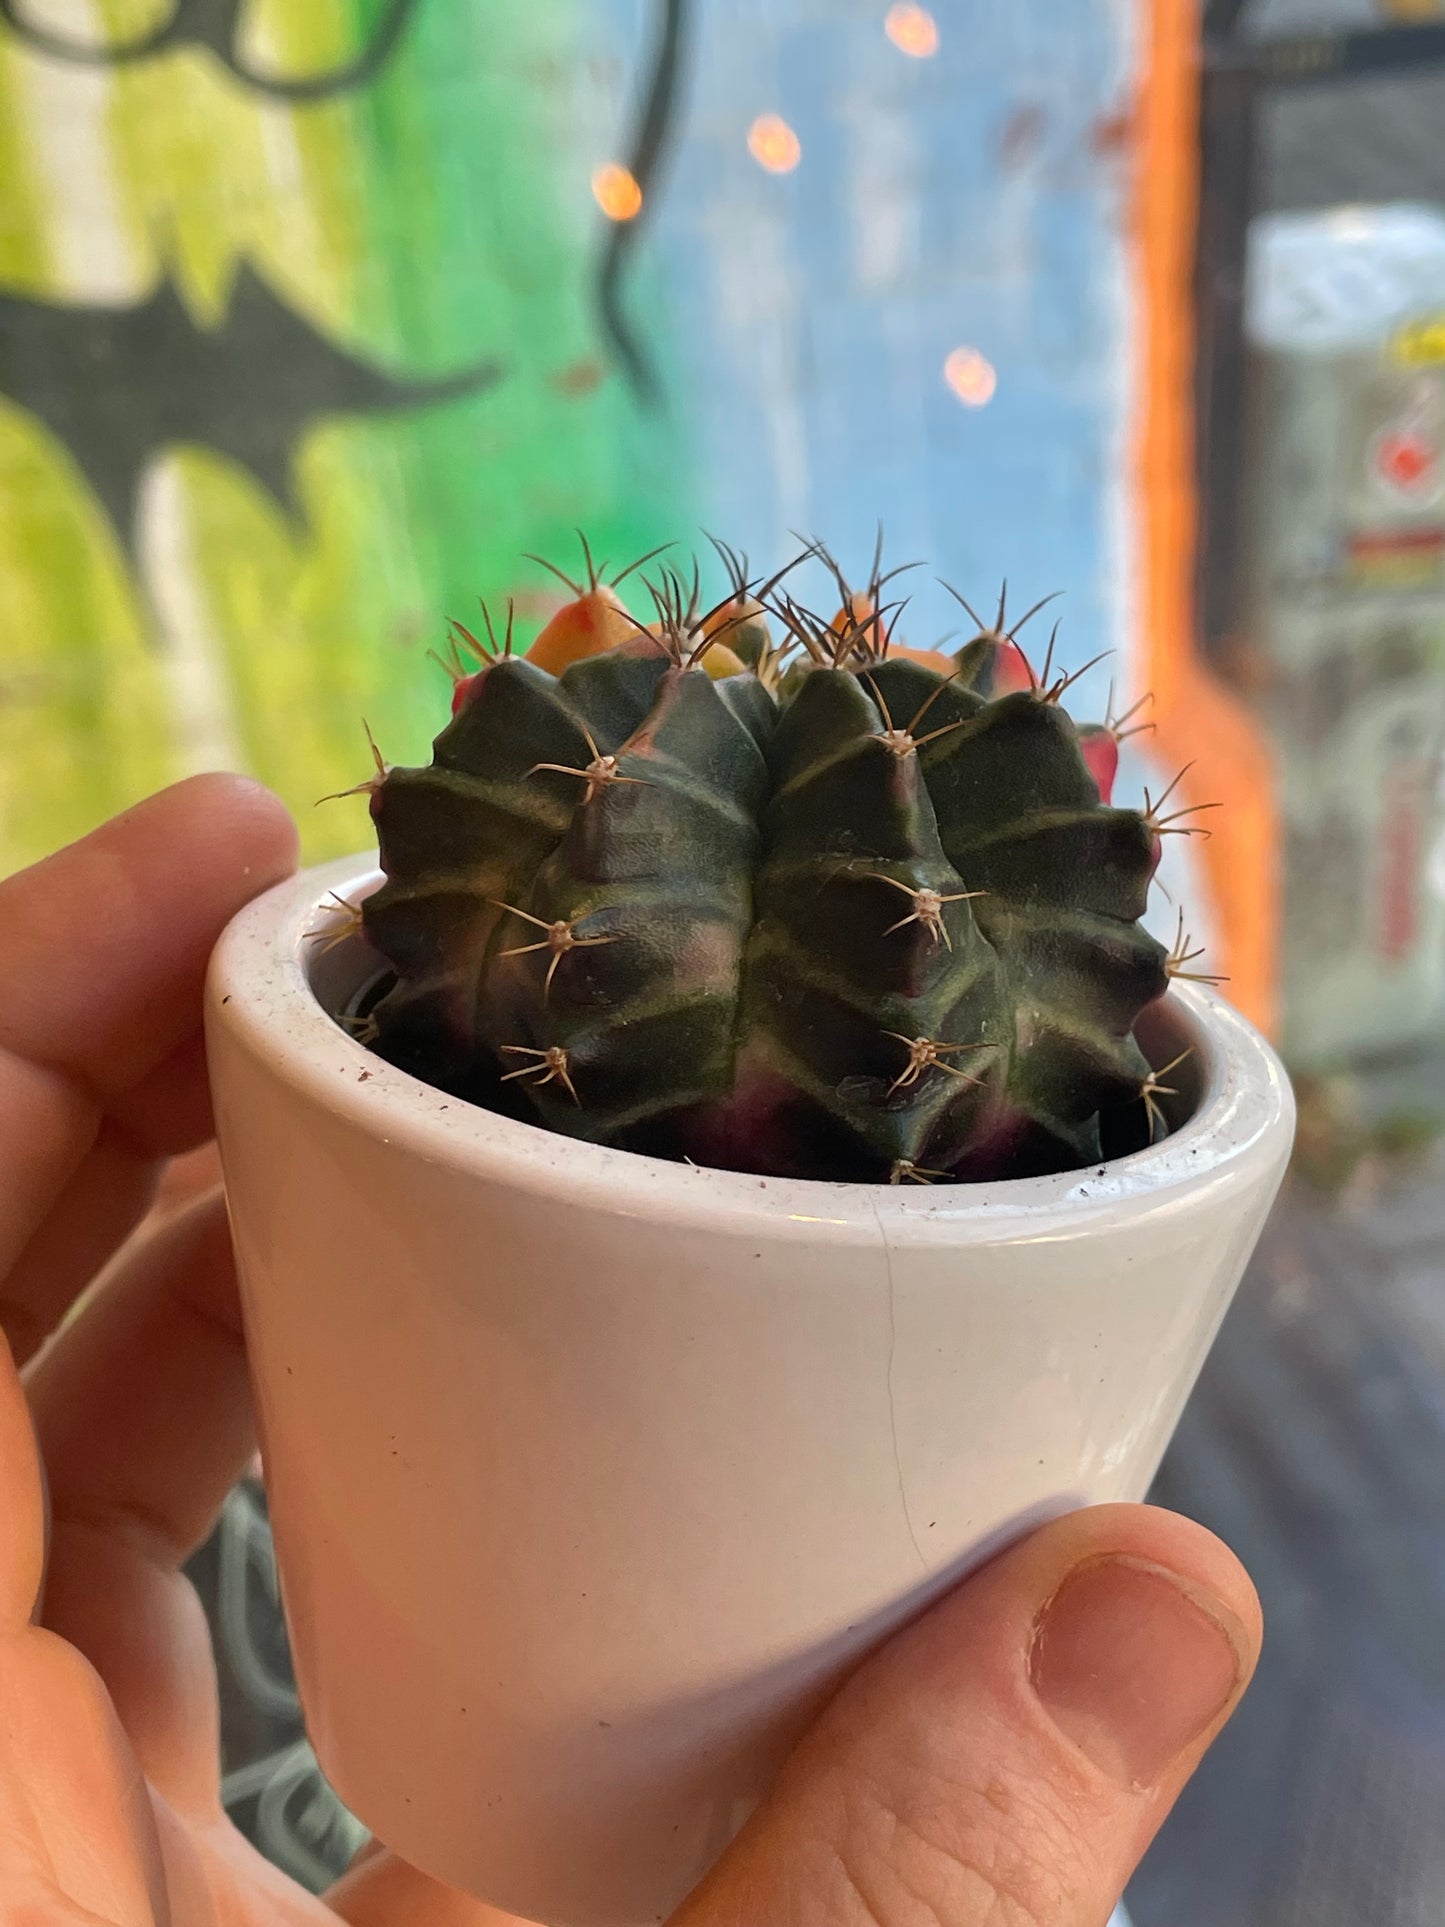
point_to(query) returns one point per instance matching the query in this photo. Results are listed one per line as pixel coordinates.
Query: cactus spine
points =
(831, 914)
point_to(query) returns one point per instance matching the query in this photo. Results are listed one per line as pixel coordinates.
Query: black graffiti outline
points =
(213, 24)
(655, 128)
(118, 386)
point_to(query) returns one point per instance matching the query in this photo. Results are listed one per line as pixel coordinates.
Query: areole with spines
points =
(661, 898)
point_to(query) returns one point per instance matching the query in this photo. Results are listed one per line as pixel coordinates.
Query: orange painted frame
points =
(1200, 721)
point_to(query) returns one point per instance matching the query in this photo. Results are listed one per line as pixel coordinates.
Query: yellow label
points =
(1419, 343)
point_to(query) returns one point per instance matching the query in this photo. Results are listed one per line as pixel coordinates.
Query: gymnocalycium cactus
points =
(764, 890)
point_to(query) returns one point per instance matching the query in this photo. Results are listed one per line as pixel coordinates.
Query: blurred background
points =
(315, 318)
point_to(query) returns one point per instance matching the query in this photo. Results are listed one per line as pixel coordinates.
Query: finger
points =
(141, 1404)
(139, 1623)
(105, 945)
(22, 1504)
(169, 1111)
(106, 1196)
(77, 1837)
(105, 1199)
(185, 1179)
(144, 1630)
(47, 1127)
(111, 1194)
(1011, 1755)
(382, 1891)
(103, 950)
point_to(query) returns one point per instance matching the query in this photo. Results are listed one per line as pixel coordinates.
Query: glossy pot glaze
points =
(591, 1474)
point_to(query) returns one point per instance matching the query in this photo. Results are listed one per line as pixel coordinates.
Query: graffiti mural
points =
(214, 24)
(164, 382)
(309, 327)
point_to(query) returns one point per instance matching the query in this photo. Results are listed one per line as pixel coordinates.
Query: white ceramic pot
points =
(591, 1474)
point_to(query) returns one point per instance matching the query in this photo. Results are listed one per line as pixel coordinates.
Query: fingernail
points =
(1134, 1665)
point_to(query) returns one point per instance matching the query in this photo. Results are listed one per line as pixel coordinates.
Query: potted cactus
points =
(735, 1160)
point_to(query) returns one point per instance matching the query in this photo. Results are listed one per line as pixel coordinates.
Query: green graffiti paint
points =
(256, 608)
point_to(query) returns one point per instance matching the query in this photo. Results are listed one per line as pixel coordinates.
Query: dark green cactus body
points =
(654, 875)
(872, 925)
(841, 975)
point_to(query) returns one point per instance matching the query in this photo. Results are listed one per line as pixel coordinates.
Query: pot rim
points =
(259, 994)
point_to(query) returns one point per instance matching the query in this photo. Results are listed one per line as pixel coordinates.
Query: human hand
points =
(1005, 1761)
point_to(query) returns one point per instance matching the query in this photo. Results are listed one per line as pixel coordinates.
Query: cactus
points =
(833, 914)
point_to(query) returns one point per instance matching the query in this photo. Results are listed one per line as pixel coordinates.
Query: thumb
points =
(1006, 1760)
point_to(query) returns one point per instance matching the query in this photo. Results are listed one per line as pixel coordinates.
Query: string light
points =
(773, 144)
(913, 31)
(616, 192)
(971, 376)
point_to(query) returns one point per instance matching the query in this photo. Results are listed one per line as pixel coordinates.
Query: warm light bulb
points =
(773, 144)
(913, 31)
(971, 376)
(616, 192)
